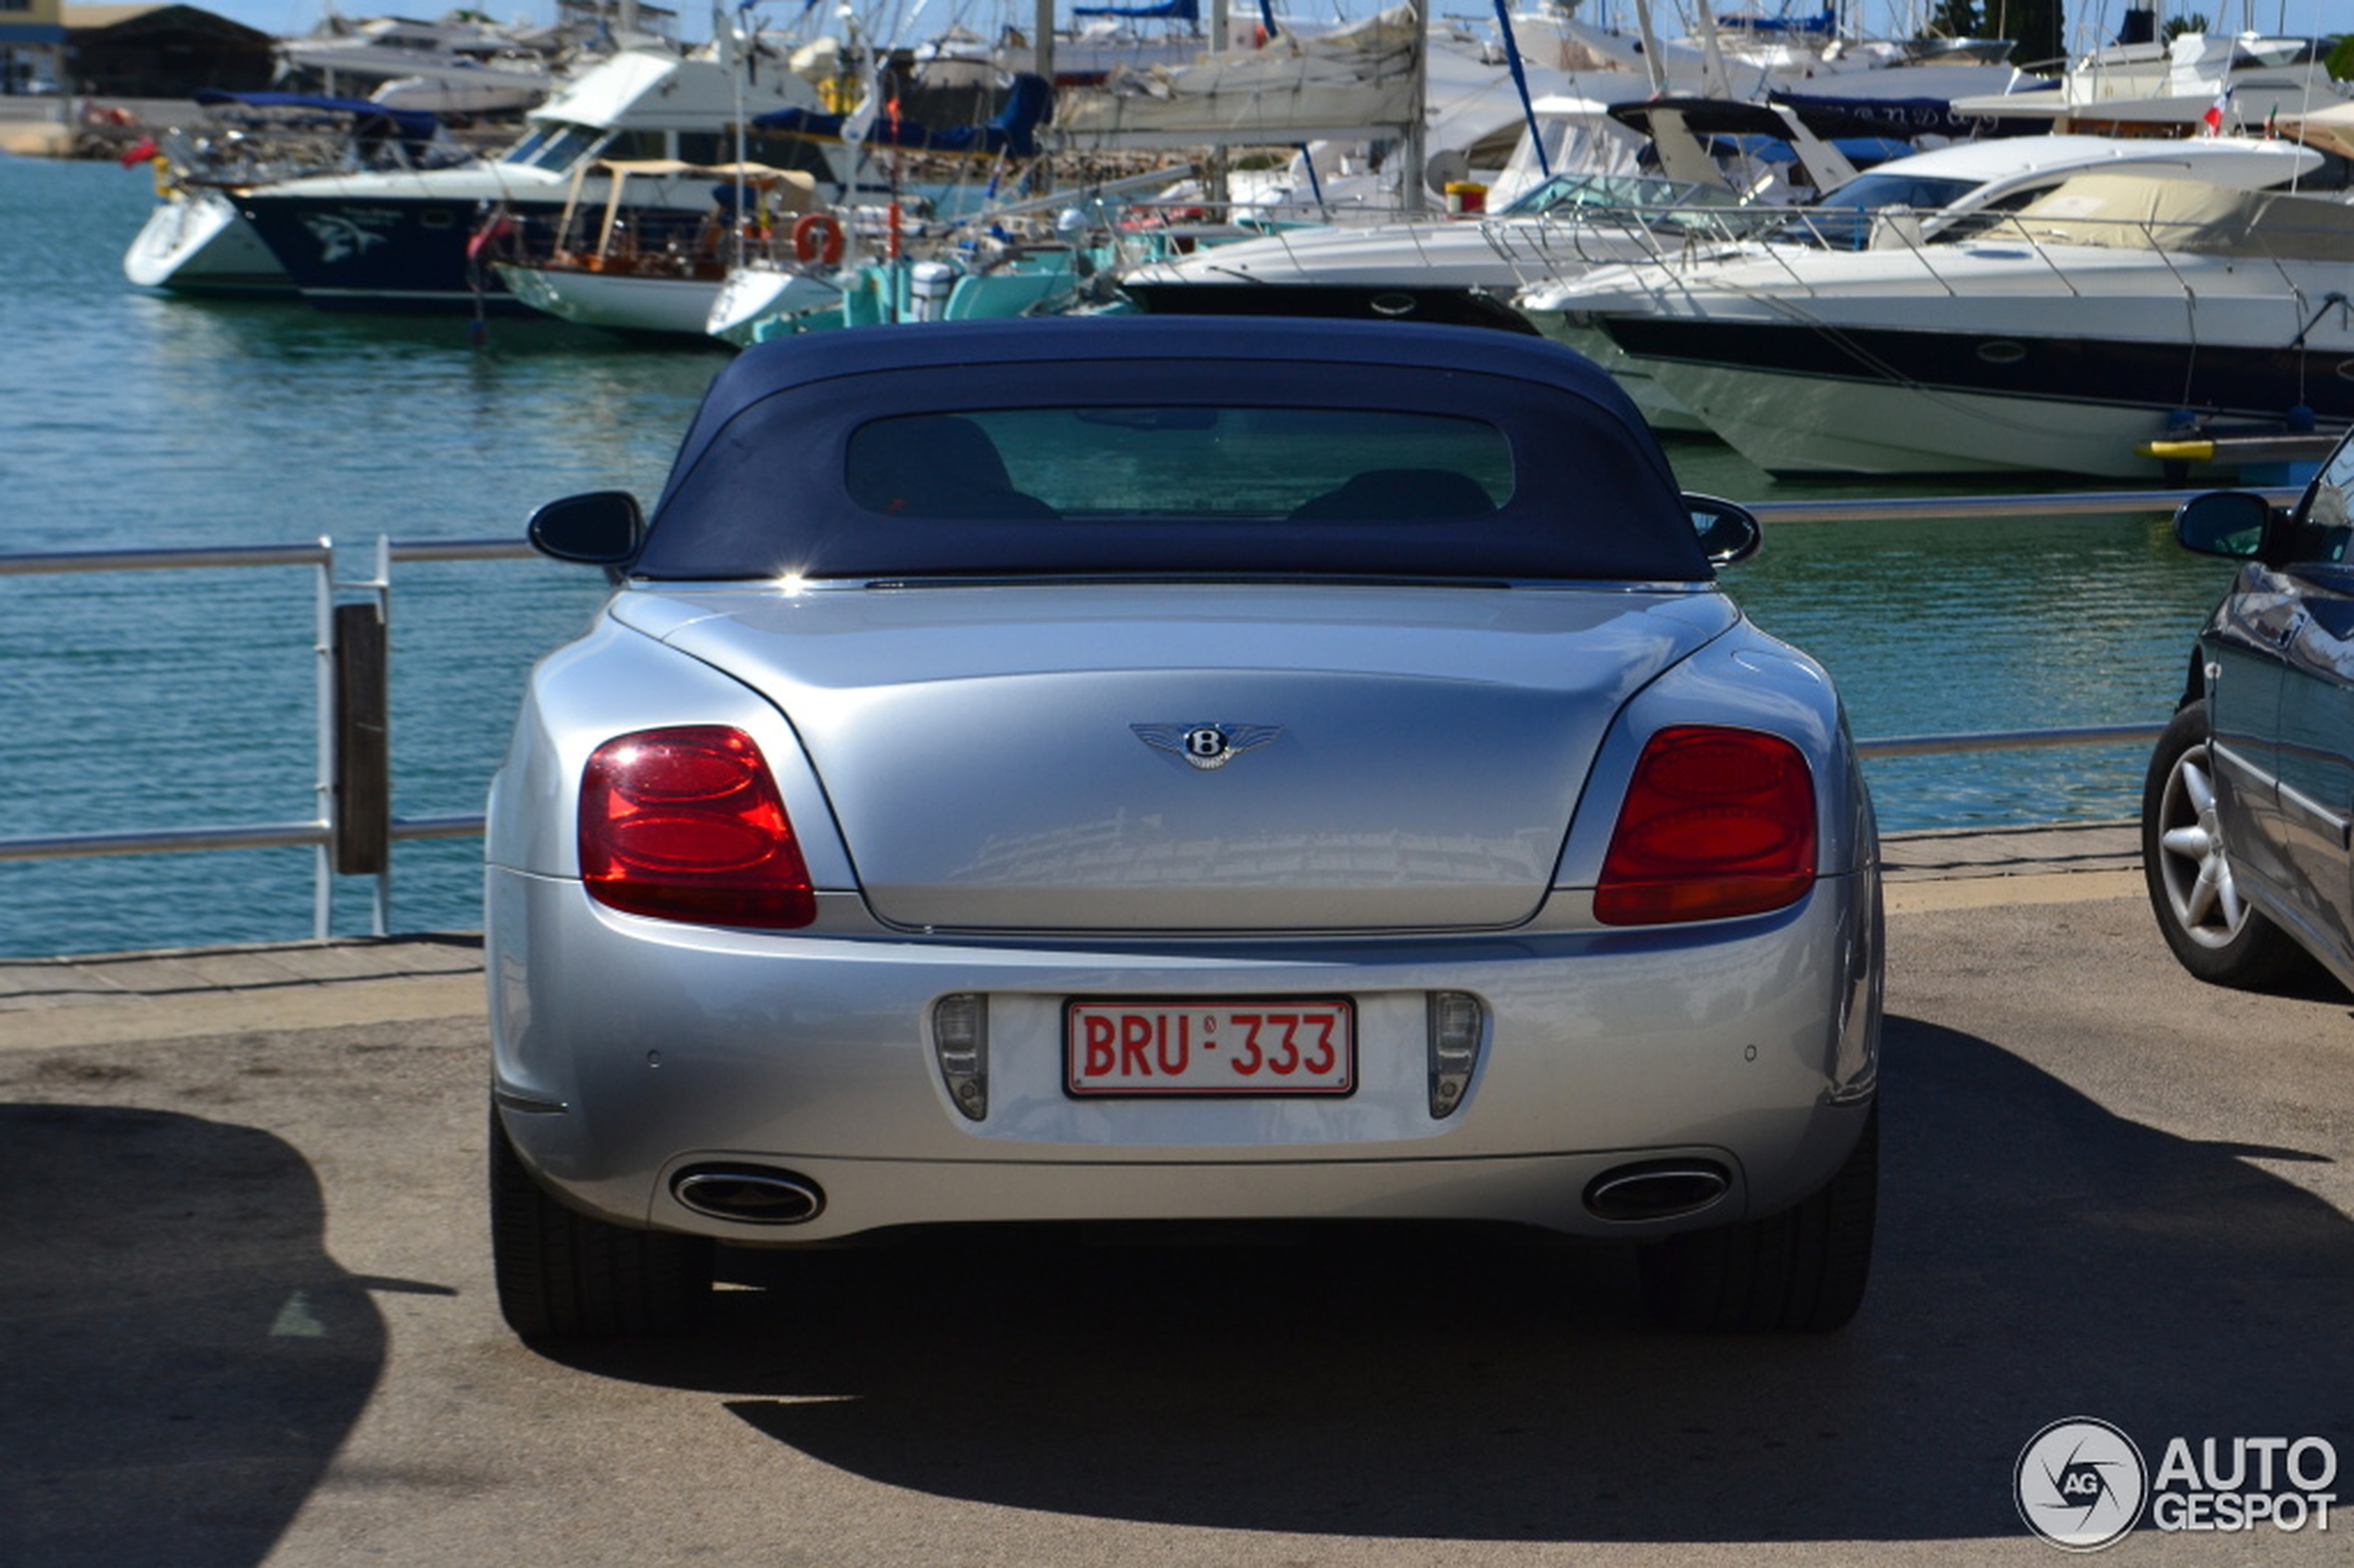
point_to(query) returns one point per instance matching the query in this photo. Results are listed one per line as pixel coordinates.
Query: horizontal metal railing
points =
(2009, 740)
(2084, 503)
(320, 833)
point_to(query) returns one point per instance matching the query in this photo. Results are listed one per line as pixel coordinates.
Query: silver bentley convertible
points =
(1136, 770)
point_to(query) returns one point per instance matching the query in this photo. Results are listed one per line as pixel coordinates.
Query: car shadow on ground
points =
(2039, 1259)
(179, 1358)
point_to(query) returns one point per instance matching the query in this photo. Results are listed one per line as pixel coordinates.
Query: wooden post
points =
(363, 743)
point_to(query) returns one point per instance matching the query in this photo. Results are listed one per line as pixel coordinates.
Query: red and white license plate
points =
(1271, 1045)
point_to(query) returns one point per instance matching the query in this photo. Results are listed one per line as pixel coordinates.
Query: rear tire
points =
(1801, 1271)
(2214, 933)
(563, 1275)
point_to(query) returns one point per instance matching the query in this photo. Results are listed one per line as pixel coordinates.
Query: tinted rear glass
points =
(1150, 461)
(1168, 466)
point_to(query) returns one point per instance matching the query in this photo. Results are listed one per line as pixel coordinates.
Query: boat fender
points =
(817, 237)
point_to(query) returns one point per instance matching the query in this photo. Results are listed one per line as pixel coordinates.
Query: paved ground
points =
(246, 1315)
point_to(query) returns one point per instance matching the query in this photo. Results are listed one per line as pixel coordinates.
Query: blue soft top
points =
(761, 485)
(1074, 340)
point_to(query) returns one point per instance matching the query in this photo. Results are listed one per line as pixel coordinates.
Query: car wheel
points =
(2217, 934)
(1801, 1271)
(563, 1275)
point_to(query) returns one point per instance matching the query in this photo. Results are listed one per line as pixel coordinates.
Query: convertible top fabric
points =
(761, 486)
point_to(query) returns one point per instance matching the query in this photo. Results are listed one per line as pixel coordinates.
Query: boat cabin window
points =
(637, 146)
(798, 153)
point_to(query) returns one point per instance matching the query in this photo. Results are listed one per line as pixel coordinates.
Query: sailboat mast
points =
(1411, 195)
(1655, 68)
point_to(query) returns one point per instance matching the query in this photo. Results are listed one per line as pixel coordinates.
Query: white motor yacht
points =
(2113, 311)
(404, 240)
(1712, 183)
(2231, 83)
(195, 240)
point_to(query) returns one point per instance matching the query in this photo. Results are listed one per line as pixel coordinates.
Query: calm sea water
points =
(164, 700)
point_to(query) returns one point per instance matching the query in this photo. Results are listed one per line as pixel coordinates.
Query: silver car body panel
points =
(669, 1045)
(1003, 758)
(650, 1046)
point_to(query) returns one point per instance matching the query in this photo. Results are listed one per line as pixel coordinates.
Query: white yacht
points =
(195, 241)
(1710, 184)
(2112, 311)
(2223, 81)
(405, 240)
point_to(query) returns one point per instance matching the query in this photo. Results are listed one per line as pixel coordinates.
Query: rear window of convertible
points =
(1154, 462)
(1406, 474)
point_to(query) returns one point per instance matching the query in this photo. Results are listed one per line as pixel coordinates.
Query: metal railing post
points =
(322, 894)
(362, 734)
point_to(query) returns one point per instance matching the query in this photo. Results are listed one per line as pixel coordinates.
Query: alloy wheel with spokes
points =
(2191, 862)
(2209, 923)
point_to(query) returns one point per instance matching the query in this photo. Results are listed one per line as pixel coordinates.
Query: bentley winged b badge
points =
(1207, 746)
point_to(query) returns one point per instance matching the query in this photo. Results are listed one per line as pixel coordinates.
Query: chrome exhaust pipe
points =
(1659, 1189)
(747, 1194)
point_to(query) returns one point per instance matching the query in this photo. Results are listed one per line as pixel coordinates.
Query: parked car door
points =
(2283, 692)
(2242, 647)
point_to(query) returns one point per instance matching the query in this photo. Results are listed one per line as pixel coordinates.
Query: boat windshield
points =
(1674, 207)
(1567, 193)
(1843, 219)
(554, 146)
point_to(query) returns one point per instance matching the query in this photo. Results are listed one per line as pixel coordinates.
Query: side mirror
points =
(1728, 533)
(2232, 524)
(602, 528)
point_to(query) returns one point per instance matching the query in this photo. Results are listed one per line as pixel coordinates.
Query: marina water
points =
(158, 700)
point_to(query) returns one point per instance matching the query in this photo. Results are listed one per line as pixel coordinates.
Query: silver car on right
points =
(2247, 813)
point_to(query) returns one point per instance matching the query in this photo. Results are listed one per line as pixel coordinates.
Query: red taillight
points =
(1718, 822)
(687, 825)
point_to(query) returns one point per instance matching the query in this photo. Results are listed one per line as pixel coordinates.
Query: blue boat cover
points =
(1901, 117)
(1823, 24)
(1168, 10)
(1030, 103)
(779, 472)
(411, 125)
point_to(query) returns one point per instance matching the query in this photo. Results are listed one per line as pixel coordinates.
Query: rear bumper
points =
(627, 1050)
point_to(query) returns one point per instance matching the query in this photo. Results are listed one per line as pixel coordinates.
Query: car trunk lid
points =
(1196, 758)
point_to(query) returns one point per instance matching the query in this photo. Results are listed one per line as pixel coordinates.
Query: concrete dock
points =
(246, 1313)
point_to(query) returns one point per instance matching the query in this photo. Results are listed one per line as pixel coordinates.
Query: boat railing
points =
(353, 828)
(1633, 225)
(2248, 227)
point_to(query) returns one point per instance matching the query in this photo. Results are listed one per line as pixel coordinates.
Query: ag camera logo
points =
(2081, 1483)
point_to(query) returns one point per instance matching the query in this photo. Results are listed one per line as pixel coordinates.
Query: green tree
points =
(2195, 22)
(2033, 25)
(1954, 19)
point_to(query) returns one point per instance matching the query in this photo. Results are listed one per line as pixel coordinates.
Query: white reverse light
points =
(1457, 1020)
(961, 1039)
